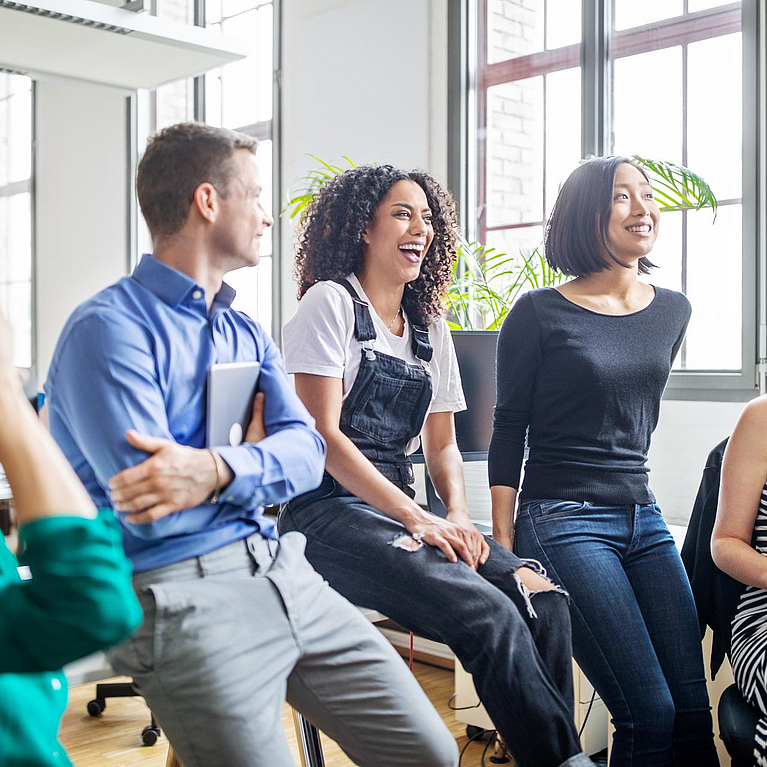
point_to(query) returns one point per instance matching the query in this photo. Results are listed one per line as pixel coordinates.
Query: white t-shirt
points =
(319, 340)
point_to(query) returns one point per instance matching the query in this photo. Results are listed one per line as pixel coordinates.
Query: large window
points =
(240, 96)
(16, 211)
(558, 80)
(529, 115)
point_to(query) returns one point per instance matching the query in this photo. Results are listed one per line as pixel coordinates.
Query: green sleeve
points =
(79, 598)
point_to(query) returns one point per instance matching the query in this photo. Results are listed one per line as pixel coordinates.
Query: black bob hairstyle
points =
(576, 239)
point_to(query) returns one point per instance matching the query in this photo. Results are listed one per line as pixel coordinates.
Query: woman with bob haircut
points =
(581, 369)
(375, 366)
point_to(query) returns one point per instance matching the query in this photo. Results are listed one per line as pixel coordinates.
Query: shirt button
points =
(197, 294)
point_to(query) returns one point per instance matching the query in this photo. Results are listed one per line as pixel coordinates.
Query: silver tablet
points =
(231, 388)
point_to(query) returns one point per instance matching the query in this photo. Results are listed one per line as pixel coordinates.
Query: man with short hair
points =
(235, 620)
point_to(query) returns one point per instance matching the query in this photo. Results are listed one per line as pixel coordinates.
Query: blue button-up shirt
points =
(136, 356)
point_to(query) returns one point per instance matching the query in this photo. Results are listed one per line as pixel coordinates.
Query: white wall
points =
(685, 435)
(366, 79)
(81, 191)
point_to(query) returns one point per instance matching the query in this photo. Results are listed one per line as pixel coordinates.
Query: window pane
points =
(213, 12)
(213, 97)
(513, 29)
(181, 11)
(16, 251)
(264, 156)
(265, 56)
(514, 189)
(667, 253)
(15, 136)
(19, 313)
(174, 103)
(254, 292)
(714, 288)
(714, 113)
(563, 23)
(16, 212)
(563, 129)
(518, 245)
(240, 80)
(244, 281)
(631, 13)
(647, 105)
(514, 242)
(232, 7)
(11, 84)
(704, 5)
(264, 285)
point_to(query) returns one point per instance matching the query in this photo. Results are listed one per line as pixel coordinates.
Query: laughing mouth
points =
(412, 251)
(639, 229)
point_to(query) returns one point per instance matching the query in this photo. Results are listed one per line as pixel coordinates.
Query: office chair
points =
(150, 734)
(737, 726)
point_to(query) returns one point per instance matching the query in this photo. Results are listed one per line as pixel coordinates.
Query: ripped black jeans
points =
(521, 664)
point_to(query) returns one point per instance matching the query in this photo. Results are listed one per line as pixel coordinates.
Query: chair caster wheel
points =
(96, 706)
(474, 733)
(149, 735)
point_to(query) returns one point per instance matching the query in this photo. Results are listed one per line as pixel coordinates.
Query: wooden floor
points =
(114, 739)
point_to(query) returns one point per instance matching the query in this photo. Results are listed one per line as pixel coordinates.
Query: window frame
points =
(464, 160)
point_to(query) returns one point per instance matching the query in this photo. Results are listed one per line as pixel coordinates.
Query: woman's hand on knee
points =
(476, 542)
(447, 536)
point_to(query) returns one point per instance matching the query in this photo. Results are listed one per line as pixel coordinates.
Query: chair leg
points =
(172, 760)
(309, 744)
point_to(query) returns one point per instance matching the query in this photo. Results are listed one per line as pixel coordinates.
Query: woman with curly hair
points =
(375, 366)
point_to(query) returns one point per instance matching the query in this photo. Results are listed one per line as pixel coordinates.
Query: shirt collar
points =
(223, 299)
(172, 286)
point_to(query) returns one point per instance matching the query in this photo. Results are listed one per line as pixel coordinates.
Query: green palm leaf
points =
(677, 187)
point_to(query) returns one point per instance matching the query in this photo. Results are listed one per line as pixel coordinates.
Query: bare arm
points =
(43, 483)
(744, 471)
(323, 397)
(504, 500)
(446, 471)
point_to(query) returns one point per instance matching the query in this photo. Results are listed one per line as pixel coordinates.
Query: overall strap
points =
(419, 342)
(364, 330)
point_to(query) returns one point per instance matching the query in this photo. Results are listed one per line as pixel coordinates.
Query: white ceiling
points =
(91, 41)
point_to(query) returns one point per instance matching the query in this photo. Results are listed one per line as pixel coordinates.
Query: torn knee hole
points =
(538, 582)
(406, 542)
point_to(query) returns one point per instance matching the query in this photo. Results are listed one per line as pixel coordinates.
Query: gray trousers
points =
(230, 635)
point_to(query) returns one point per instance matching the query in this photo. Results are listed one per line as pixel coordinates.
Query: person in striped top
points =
(739, 548)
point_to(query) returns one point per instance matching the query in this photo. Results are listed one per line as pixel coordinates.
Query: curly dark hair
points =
(330, 240)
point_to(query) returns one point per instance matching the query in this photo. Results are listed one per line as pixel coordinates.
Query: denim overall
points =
(389, 399)
(520, 659)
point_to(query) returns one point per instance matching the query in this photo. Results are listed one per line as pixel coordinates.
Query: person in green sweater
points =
(67, 594)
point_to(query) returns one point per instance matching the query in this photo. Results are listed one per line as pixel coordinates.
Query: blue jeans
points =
(520, 659)
(635, 629)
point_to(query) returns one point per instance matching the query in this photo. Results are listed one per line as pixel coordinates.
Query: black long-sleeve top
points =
(586, 388)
